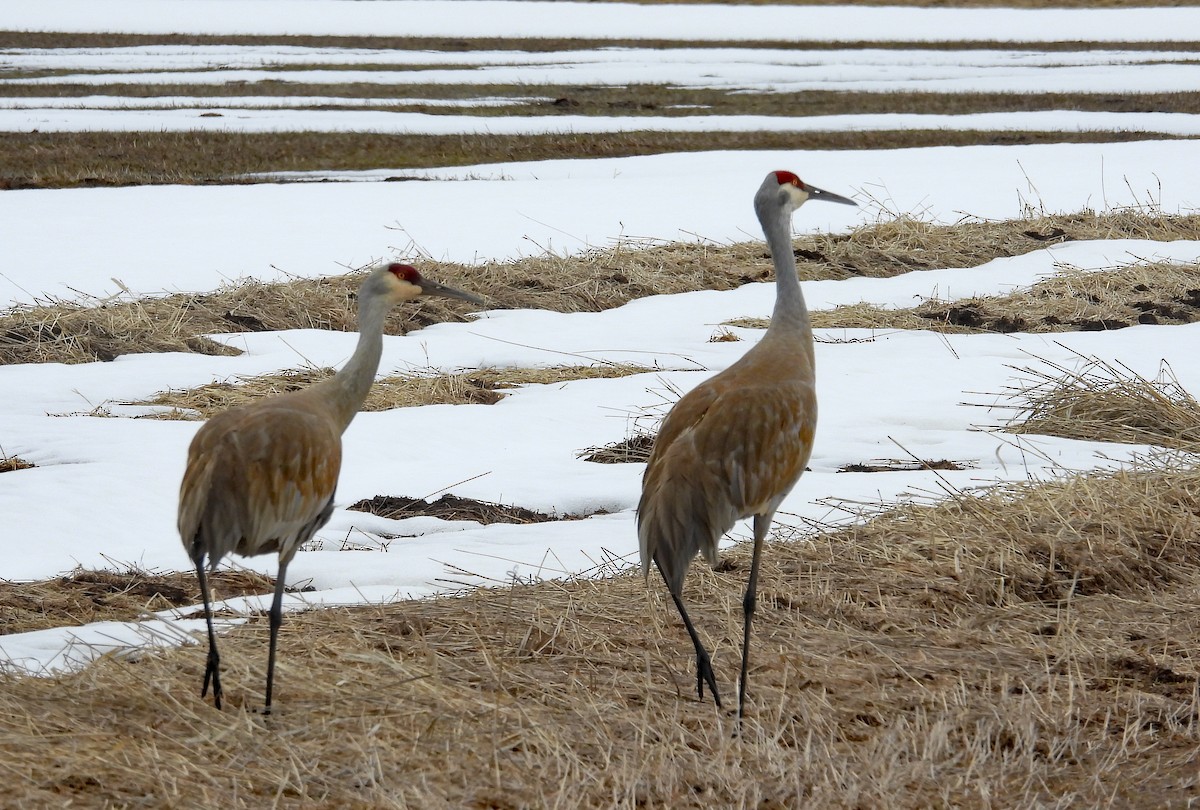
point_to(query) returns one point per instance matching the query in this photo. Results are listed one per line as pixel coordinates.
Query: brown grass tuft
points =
(632, 450)
(724, 336)
(1030, 645)
(1072, 301)
(12, 464)
(73, 333)
(905, 465)
(452, 507)
(483, 386)
(1105, 401)
(83, 596)
(1149, 293)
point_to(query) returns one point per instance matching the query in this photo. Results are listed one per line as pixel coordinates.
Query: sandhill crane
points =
(734, 446)
(261, 477)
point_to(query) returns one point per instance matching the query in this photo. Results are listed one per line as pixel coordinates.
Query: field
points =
(981, 594)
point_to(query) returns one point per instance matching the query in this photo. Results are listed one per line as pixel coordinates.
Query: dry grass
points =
(552, 99)
(1029, 646)
(905, 465)
(632, 450)
(83, 596)
(596, 280)
(485, 386)
(93, 40)
(1152, 293)
(72, 333)
(452, 507)
(724, 336)
(1105, 401)
(12, 464)
(1072, 301)
(89, 159)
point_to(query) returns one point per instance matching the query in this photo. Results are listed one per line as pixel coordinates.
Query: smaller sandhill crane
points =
(734, 446)
(261, 477)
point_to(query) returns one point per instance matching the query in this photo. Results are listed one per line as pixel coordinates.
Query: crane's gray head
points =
(402, 282)
(783, 190)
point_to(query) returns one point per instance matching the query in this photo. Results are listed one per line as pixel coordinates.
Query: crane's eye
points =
(405, 272)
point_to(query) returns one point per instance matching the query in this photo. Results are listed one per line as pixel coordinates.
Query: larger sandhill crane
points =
(735, 445)
(261, 477)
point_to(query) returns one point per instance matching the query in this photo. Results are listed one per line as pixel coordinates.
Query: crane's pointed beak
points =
(433, 288)
(815, 193)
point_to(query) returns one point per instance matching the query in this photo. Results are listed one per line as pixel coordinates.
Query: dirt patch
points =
(85, 596)
(452, 507)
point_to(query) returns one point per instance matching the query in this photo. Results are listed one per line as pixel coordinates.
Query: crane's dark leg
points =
(276, 618)
(212, 671)
(704, 670)
(761, 524)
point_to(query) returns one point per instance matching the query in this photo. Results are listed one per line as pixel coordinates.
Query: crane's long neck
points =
(350, 385)
(791, 314)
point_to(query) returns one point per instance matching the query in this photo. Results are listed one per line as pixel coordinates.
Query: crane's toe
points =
(212, 675)
(704, 674)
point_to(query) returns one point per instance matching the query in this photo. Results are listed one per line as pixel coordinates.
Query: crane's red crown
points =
(405, 272)
(788, 179)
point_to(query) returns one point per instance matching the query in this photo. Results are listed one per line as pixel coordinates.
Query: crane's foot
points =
(212, 675)
(704, 674)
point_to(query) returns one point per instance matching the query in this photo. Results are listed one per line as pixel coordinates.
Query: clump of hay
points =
(85, 596)
(453, 507)
(67, 332)
(724, 336)
(206, 400)
(13, 463)
(1120, 533)
(475, 387)
(1105, 401)
(1070, 301)
(905, 465)
(1073, 300)
(632, 450)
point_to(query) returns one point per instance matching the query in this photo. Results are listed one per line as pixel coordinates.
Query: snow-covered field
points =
(742, 70)
(680, 22)
(104, 490)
